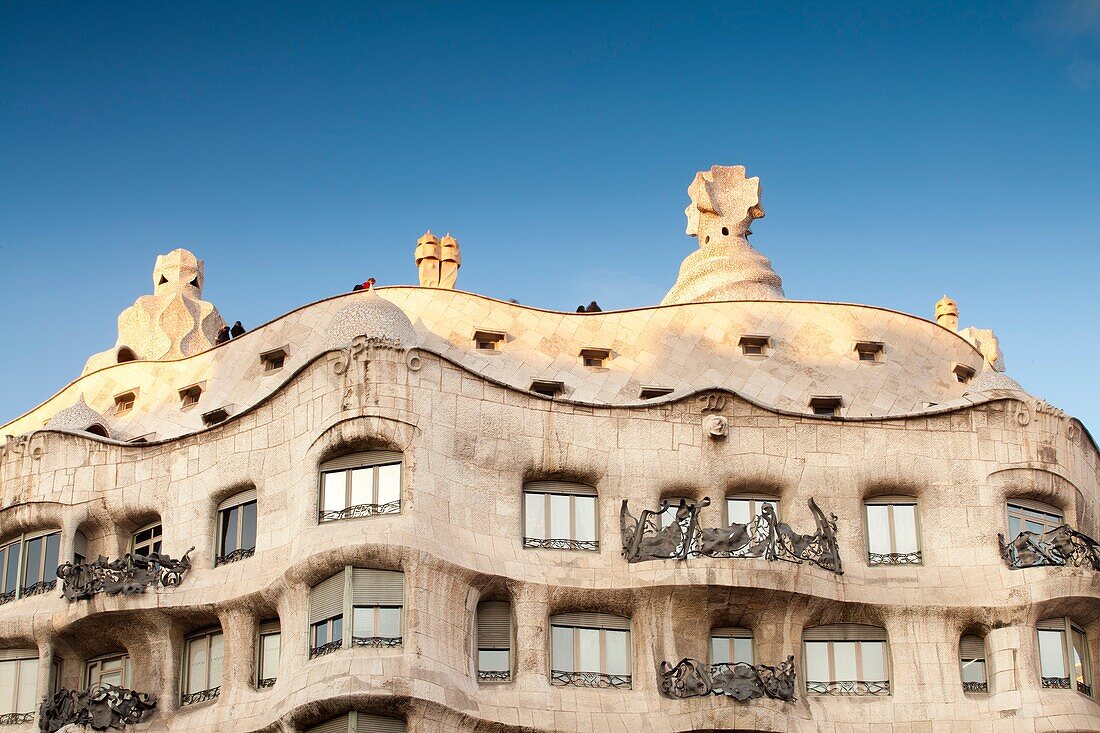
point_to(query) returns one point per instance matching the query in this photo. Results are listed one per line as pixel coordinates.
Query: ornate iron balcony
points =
(376, 641)
(975, 687)
(234, 556)
(739, 680)
(101, 707)
(589, 679)
(265, 682)
(320, 651)
(763, 537)
(895, 558)
(1082, 687)
(490, 675)
(555, 544)
(201, 696)
(1056, 683)
(849, 687)
(16, 718)
(1061, 546)
(360, 510)
(42, 586)
(7, 598)
(129, 575)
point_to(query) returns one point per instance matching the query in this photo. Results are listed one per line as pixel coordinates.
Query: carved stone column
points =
(531, 608)
(239, 631)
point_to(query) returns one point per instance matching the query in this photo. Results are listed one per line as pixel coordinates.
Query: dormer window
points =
(489, 340)
(649, 393)
(963, 373)
(125, 402)
(595, 357)
(273, 360)
(142, 439)
(871, 351)
(826, 405)
(190, 395)
(215, 416)
(754, 345)
(547, 388)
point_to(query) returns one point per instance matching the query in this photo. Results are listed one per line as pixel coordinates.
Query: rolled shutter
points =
(378, 724)
(560, 487)
(326, 599)
(40, 533)
(377, 587)
(237, 499)
(80, 544)
(972, 647)
(732, 632)
(7, 655)
(1036, 506)
(270, 627)
(1052, 624)
(494, 625)
(878, 500)
(844, 632)
(362, 460)
(341, 724)
(591, 620)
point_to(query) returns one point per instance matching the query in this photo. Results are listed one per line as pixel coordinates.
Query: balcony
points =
(557, 544)
(100, 707)
(1060, 547)
(739, 680)
(129, 575)
(359, 510)
(241, 554)
(378, 642)
(849, 687)
(590, 679)
(16, 718)
(194, 698)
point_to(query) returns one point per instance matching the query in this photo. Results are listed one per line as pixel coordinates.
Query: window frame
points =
(895, 558)
(1017, 509)
(754, 345)
(155, 541)
(226, 509)
(373, 508)
(493, 675)
(569, 542)
(18, 663)
(860, 686)
(730, 635)
(125, 401)
(125, 670)
(1067, 631)
(756, 502)
(574, 676)
(377, 640)
(259, 680)
(208, 692)
(41, 584)
(974, 686)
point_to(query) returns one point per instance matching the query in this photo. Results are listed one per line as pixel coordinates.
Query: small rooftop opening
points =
(273, 360)
(871, 351)
(754, 345)
(126, 354)
(489, 340)
(97, 429)
(595, 357)
(215, 416)
(652, 392)
(963, 373)
(826, 405)
(125, 402)
(547, 388)
(190, 395)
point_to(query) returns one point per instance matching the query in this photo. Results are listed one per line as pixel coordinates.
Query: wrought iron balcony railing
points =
(739, 680)
(1082, 687)
(1056, 683)
(558, 544)
(849, 687)
(1061, 546)
(201, 696)
(320, 651)
(42, 586)
(895, 558)
(763, 537)
(376, 641)
(975, 687)
(492, 675)
(100, 707)
(241, 554)
(265, 682)
(7, 598)
(589, 679)
(16, 718)
(129, 575)
(359, 510)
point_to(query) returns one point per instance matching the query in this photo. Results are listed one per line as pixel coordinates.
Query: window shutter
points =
(591, 620)
(1036, 506)
(844, 632)
(378, 724)
(560, 487)
(270, 627)
(362, 460)
(39, 533)
(494, 625)
(237, 499)
(732, 632)
(326, 599)
(7, 655)
(1052, 624)
(341, 724)
(80, 544)
(972, 647)
(892, 499)
(377, 587)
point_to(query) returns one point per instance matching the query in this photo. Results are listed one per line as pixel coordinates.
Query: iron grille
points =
(7, 598)
(42, 586)
(1056, 683)
(895, 558)
(591, 545)
(320, 651)
(234, 556)
(590, 679)
(1060, 546)
(1082, 687)
(265, 682)
(975, 687)
(849, 687)
(493, 675)
(201, 696)
(360, 510)
(16, 718)
(376, 641)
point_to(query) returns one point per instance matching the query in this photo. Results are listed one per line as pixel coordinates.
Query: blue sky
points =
(905, 151)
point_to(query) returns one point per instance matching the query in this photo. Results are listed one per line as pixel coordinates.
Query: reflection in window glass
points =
(270, 651)
(493, 660)
(1052, 660)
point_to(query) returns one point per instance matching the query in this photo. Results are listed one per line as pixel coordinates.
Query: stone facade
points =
(398, 371)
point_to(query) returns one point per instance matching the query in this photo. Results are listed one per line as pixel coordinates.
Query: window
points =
(9, 571)
(356, 722)
(142, 439)
(112, 669)
(871, 351)
(488, 340)
(268, 650)
(595, 357)
(962, 373)
(125, 355)
(146, 540)
(375, 607)
(893, 531)
(846, 659)
(40, 563)
(494, 641)
(743, 508)
(547, 388)
(560, 516)
(18, 685)
(730, 646)
(202, 667)
(215, 416)
(754, 345)
(649, 393)
(667, 518)
(1032, 516)
(125, 402)
(1064, 656)
(972, 663)
(80, 547)
(236, 528)
(361, 485)
(828, 406)
(272, 361)
(190, 395)
(590, 650)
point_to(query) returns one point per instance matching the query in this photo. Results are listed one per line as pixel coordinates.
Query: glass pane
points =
(878, 529)
(534, 506)
(742, 650)
(618, 653)
(905, 528)
(230, 517)
(389, 622)
(389, 483)
(874, 660)
(1052, 662)
(561, 653)
(588, 649)
(53, 548)
(362, 621)
(559, 517)
(817, 661)
(1080, 659)
(332, 496)
(719, 650)
(28, 686)
(320, 634)
(196, 665)
(1015, 527)
(32, 565)
(248, 526)
(844, 660)
(111, 678)
(493, 660)
(7, 687)
(738, 511)
(668, 517)
(11, 567)
(362, 486)
(584, 524)
(973, 670)
(1036, 527)
(217, 653)
(270, 648)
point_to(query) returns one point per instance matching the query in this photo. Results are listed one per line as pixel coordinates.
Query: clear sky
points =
(905, 151)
